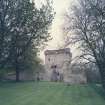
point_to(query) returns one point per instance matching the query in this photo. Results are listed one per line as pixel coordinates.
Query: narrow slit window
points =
(49, 59)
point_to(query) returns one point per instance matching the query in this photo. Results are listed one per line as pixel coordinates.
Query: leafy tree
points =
(22, 25)
(87, 25)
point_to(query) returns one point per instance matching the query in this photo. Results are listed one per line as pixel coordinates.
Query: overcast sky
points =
(60, 6)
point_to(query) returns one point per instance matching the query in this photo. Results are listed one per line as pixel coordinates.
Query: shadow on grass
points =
(12, 82)
(99, 89)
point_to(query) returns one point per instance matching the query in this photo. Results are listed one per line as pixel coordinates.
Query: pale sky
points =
(56, 32)
(60, 6)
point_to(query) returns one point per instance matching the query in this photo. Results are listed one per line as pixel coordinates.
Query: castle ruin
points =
(57, 67)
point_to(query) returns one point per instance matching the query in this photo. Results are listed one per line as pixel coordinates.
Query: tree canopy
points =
(22, 26)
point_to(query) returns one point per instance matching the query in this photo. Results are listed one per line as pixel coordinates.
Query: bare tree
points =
(86, 22)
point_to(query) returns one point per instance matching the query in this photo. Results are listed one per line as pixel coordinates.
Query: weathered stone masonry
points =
(57, 66)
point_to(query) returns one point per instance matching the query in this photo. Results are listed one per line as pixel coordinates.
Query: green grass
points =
(46, 93)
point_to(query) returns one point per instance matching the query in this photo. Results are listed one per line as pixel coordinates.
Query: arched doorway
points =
(56, 76)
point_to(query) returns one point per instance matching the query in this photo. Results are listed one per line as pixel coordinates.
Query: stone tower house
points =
(57, 67)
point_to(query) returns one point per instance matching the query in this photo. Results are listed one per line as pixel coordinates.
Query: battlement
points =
(60, 51)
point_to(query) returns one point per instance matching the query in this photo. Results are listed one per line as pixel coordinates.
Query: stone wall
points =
(55, 61)
(58, 67)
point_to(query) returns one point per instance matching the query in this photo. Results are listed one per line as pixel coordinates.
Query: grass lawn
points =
(46, 93)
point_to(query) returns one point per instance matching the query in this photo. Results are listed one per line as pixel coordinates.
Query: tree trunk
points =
(102, 73)
(17, 75)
